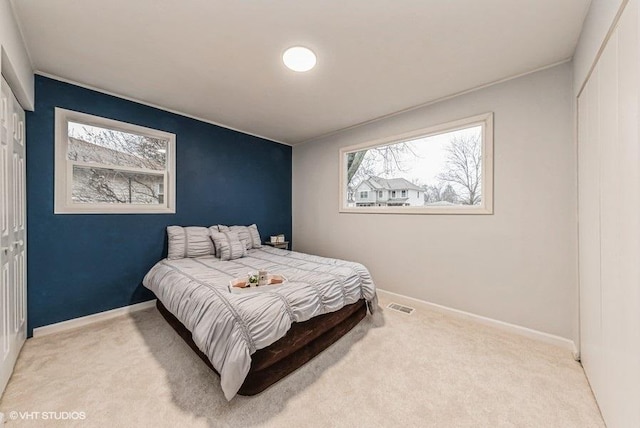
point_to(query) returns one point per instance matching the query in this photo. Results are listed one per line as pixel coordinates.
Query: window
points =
(106, 166)
(444, 169)
(364, 195)
(380, 193)
(160, 192)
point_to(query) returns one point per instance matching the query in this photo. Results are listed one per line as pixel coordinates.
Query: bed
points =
(253, 339)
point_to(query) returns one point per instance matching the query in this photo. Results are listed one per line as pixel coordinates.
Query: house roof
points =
(86, 151)
(379, 183)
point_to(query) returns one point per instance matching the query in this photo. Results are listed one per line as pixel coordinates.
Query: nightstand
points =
(282, 245)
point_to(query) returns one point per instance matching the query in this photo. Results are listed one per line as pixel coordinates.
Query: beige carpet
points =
(392, 370)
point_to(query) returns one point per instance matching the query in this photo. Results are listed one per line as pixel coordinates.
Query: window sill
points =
(113, 210)
(419, 210)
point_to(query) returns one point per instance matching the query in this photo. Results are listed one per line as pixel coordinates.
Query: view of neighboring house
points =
(392, 192)
(95, 184)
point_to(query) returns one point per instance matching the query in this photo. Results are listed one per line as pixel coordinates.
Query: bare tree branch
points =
(106, 147)
(464, 168)
(362, 164)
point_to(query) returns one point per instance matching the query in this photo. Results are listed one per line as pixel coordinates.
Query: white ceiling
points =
(221, 60)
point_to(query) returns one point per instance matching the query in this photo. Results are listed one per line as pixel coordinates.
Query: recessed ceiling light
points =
(299, 58)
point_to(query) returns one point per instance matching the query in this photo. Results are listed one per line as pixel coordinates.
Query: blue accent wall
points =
(81, 264)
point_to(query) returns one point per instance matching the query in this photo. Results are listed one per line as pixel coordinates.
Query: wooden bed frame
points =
(302, 342)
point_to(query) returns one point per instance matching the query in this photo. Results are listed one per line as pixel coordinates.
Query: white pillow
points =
(242, 231)
(255, 236)
(191, 241)
(248, 235)
(228, 245)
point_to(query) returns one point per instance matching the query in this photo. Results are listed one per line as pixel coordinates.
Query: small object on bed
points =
(275, 279)
(242, 285)
(262, 277)
(239, 283)
(253, 280)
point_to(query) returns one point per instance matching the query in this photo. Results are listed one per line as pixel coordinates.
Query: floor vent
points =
(401, 308)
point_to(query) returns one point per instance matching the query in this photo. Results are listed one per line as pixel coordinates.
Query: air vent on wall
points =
(401, 308)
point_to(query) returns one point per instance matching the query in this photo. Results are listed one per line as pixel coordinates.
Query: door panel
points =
(589, 230)
(6, 321)
(609, 224)
(19, 235)
(6, 119)
(12, 232)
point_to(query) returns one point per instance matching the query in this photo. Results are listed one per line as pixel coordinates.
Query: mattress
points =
(229, 328)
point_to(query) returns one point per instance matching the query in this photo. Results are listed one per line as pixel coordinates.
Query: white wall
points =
(596, 26)
(14, 60)
(517, 265)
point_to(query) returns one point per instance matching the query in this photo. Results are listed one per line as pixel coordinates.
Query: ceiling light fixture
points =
(299, 58)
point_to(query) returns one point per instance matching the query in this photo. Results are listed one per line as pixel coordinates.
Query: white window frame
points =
(486, 207)
(63, 175)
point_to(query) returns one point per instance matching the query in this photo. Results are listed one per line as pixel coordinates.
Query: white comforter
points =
(228, 327)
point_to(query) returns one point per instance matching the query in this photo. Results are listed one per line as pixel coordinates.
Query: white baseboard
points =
(399, 298)
(90, 319)
(562, 342)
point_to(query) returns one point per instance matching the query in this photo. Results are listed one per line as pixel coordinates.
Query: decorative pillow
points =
(248, 234)
(255, 236)
(243, 234)
(192, 241)
(228, 245)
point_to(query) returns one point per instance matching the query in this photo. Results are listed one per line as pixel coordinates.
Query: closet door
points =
(19, 225)
(12, 232)
(589, 232)
(609, 224)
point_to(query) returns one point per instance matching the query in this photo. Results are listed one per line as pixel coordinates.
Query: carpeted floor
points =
(421, 370)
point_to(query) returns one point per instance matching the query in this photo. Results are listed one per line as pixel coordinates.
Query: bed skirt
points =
(302, 342)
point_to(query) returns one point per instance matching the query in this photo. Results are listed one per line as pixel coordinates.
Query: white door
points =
(13, 326)
(609, 224)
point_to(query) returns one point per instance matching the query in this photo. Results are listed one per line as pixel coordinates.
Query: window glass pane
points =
(103, 185)
(111, 167)
(434, 171)
(92, 144)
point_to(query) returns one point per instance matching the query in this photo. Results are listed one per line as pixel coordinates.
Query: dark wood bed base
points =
(302, 342)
